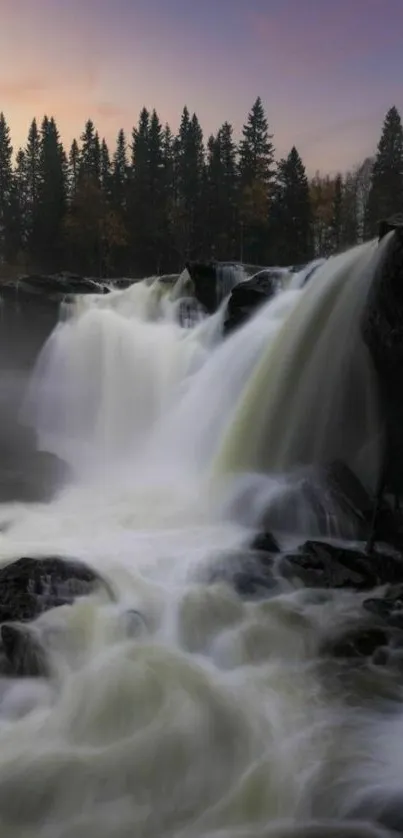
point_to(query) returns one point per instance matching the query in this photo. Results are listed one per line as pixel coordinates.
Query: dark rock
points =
(358, 643)
(213, 281)
(319, 564)
(248, 296)
(28, 586)
(250, 573)
(204, 278)
(266, 543)
(382, 329)
(23, 654)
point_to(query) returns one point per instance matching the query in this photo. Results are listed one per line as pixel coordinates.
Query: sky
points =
(326, 70)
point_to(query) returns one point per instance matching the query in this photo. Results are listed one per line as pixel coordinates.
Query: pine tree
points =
(32, 155)
(138, 207)
(256, 173)
(189, 174)
(105, 171)
(221, 210)
(73, 168)
(386, 194)
(119, 173)
(157, 195)
(337, 214)
(90, 158)
(6, 190)
(349, 211)
(291, 216)
(21, 193)
(52, 197)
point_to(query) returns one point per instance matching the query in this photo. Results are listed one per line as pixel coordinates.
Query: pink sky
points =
(327, 72)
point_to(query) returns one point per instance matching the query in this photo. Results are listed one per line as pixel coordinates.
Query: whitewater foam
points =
(176, 708)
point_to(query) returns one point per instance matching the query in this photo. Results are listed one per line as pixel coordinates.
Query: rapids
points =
(179, 709)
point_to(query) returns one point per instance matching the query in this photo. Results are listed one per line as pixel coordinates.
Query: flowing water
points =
(177, 708)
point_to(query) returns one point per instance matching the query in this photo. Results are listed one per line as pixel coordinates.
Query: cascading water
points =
(209, 716)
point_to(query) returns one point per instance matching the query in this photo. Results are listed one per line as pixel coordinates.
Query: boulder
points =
(30, 586)
(382, 329)
(320, 564)
(204, 278)
(248, 296)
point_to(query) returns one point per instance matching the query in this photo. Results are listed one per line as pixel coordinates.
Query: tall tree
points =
(221, 203)
(291, 212)
(73, 168)
(337, 214)
(90, 158)
(386, 194)
(256, 173)
(138, 208)
(6, 190)
(52, 196)
(105, 170)
(189, 169)
(32, 155)
(119, 173)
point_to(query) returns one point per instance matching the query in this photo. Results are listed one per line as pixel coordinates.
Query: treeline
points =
(161, 199)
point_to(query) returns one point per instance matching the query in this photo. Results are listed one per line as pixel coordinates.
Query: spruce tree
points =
(73, 168)
(256, 174)
(138, 194)
(157, 195)
(291, 216)
(32, 156)
(105, 171)
(337, 214)
(189, 171)
(386, 194)
(349, 211)
(52, 197)
(6, 191)
(222, 195)
(119, 172)
(90, 157)
(21, 194)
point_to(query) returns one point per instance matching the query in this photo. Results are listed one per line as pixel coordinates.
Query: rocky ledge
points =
(28, 588)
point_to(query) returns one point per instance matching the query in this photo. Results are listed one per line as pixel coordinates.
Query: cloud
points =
(21, 90)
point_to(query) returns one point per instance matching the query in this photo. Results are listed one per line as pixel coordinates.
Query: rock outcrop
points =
(248, 296)
(382, 329)
(28, 588)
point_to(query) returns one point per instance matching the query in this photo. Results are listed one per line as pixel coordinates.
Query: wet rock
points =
(382, 329)
(204, 278)
(29, 586)
(319, 564)
(248, 296)
(358, 643)
(250, 573)
(266, 543)
(23, 655)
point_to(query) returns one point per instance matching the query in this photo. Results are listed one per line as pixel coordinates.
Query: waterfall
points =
(312, 398)
(176, 707)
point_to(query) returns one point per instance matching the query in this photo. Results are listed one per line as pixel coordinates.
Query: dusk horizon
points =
(327, 76)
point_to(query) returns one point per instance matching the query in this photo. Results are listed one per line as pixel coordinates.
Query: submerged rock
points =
(21, 653)
(29, 586)
(319, 564)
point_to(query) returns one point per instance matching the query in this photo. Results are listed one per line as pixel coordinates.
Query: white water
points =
(208, 716)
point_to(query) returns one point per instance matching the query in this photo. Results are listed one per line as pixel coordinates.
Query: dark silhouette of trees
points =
(158, 199)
